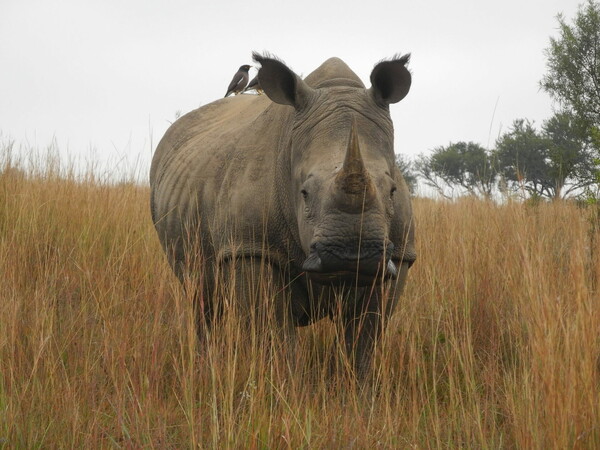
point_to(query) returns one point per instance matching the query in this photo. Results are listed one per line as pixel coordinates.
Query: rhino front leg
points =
(255, 291)
(362, 323)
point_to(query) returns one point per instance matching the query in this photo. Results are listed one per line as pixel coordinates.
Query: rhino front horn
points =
(353, 177)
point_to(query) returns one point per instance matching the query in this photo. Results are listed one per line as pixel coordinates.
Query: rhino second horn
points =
(353, 178)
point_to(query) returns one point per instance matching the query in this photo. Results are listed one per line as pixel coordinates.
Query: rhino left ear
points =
(390, 80)
(280, 83)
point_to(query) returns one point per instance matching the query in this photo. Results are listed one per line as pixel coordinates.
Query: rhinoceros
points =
(299, 185)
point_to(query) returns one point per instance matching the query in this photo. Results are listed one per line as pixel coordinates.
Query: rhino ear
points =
(280, 83)
(390, 80)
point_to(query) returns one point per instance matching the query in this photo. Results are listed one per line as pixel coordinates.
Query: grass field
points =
(495, 343)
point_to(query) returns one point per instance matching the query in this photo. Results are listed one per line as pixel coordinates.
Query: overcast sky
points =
(109, 75)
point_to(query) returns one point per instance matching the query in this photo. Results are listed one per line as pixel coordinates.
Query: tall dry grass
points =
(494, 344)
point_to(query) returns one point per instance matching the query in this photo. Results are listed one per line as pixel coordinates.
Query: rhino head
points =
(339, 183)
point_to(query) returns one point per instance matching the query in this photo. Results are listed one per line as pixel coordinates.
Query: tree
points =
(573, 77)
(573, 80)
(521, 154)
(572, 161)
(466, 165)
(406, 168)
(552, 163)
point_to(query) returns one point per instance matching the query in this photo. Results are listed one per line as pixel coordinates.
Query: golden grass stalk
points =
(494, 344)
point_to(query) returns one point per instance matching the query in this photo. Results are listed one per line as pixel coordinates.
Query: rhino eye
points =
(304, 194)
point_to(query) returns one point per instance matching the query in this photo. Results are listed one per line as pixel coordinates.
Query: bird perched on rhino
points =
(254, 85)
(239, 81)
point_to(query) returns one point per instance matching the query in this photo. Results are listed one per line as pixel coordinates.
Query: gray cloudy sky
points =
(107, 75)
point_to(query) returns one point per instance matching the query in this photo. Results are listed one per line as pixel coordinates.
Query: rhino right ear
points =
(390, 80)
(280, 83)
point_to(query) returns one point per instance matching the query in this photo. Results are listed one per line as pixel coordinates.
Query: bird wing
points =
(237, 78)
(252, 83)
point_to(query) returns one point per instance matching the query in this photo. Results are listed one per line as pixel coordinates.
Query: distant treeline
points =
(559, 160)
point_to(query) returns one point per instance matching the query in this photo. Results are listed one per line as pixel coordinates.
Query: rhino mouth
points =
(357, 273)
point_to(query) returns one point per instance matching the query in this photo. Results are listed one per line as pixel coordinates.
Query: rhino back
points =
(213, 172)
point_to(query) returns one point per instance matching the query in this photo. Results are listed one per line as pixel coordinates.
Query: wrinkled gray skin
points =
(301, 182)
